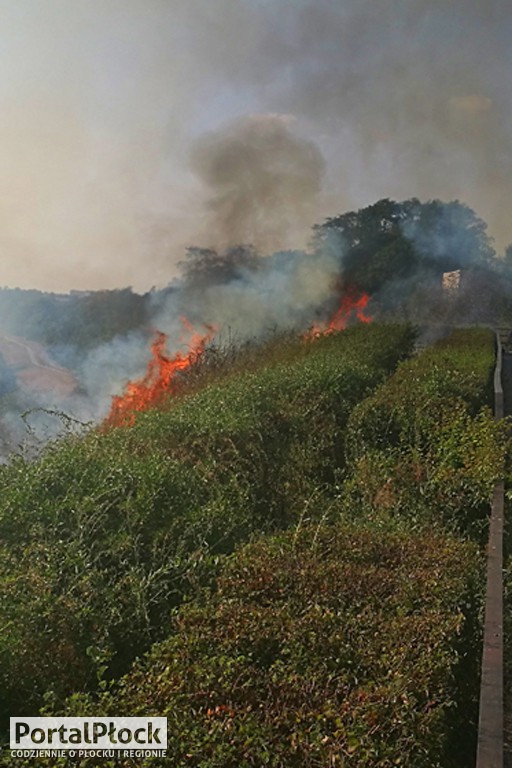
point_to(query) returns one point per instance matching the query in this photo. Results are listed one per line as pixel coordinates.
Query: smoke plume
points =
(262, 181)
(126, 129)
(133, 129)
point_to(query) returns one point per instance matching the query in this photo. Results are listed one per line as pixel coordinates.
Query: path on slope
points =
(33, 368)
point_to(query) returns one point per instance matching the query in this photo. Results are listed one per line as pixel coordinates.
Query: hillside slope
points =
(292, 546)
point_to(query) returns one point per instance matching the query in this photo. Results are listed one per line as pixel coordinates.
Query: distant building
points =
(451, 281)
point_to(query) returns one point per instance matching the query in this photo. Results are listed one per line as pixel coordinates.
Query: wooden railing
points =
(490, 724)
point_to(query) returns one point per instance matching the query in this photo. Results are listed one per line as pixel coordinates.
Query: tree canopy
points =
(390, 240)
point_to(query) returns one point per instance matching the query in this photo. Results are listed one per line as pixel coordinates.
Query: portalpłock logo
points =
(88, 736)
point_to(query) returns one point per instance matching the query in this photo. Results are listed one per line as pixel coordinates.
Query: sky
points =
(132, 129)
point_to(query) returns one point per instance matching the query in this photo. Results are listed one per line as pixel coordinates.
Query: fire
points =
(350, 305)
(160, 378)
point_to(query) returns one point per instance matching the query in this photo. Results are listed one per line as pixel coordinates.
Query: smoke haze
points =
(263, 182)
(133, 128)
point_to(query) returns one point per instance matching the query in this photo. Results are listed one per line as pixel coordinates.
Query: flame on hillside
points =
(162, 374)
(351, 306)
(161, 377)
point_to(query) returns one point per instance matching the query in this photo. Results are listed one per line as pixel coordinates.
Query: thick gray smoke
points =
(120, 120)
(263, 183)
(409, 97)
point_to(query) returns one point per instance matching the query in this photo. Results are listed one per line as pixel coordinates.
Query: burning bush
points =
(161, 378)
(164, 374)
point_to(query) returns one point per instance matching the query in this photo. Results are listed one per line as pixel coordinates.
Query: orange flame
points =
(160, 378)
(350, 304)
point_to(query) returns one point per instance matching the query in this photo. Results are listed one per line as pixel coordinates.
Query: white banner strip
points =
(88, 733)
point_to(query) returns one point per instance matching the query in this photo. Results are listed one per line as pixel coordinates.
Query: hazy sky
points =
(130, 129)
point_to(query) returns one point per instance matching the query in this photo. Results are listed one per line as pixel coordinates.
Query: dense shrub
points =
(102, 536)
(425, 443)
(332, 646)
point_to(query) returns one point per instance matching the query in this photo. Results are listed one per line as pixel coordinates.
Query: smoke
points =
(126, 129)
(411, 98)
(104, 371)
(285, 291)
(262, 181)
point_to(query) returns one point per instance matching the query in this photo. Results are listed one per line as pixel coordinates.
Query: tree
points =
(410, 239)
(449, 234)
(206, 266)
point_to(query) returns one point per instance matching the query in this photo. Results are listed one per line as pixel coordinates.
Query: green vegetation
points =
(507, 607)
(507, 629)
(394, 240)
(333, 645)
(103, 535)
(296, 538)
(425, 444)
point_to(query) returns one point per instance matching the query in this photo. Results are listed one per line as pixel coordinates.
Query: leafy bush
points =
(330, 646)
(425, 443)
(102, 536)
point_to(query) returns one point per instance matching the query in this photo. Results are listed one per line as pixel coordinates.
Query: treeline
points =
(395, 251)
(82, 320)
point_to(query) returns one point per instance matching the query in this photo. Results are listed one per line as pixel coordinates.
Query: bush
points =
(507, 620)
(102, 536)
(332, 645)
(425, 444)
